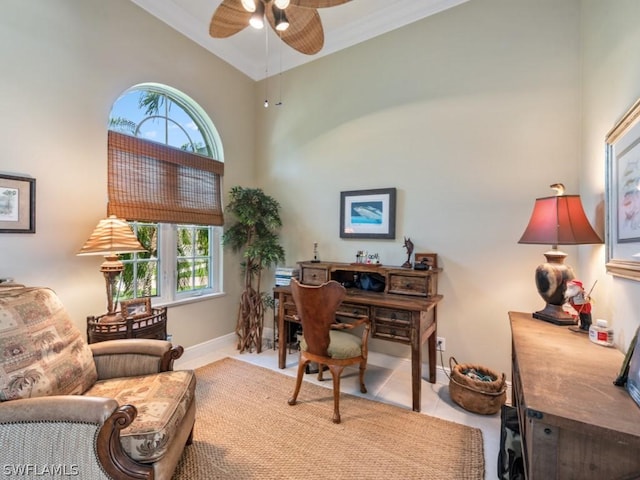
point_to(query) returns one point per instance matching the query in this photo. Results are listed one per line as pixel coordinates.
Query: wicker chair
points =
(325, 341)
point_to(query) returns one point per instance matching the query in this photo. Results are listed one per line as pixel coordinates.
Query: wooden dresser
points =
(574, 422)
(404, 312)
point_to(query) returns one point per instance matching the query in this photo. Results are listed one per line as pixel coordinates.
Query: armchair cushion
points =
(162, 401)
(41, 351)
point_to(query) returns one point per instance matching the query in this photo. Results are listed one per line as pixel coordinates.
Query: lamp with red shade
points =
(557, 220)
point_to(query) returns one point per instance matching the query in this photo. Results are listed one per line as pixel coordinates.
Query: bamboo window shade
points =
(152, 182)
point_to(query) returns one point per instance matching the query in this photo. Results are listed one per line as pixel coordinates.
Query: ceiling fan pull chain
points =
(280, 73)
(266, 69)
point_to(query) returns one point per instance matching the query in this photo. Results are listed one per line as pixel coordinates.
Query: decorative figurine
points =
(316, 256)
(580, 301)
(408, 244)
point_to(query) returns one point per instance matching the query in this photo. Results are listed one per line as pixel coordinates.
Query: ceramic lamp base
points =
(551, 281)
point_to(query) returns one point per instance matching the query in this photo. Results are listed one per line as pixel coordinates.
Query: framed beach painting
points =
(368, 213)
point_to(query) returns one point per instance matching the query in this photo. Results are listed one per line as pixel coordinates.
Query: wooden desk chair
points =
(325, 341)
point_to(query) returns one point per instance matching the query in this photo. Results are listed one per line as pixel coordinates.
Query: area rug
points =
(246, 430)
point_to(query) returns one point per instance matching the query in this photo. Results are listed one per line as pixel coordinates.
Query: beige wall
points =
(64, 63)
(611, 85)
(471, 114)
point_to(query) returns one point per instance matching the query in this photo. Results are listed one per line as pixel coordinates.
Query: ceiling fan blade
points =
(305, 32)
(318, 3)
(229, 18)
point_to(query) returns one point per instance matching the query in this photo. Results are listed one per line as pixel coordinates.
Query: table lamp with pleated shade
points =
(111, 237)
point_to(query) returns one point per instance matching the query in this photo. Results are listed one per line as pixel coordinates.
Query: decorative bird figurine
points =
(558, 187)
(408, 244)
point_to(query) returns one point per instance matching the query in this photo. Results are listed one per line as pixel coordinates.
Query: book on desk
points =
(285, 274)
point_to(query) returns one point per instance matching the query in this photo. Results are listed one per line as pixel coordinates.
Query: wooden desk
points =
(574, 422)
(406, 319)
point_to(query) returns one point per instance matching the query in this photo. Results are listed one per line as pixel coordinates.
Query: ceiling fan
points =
(296, 22)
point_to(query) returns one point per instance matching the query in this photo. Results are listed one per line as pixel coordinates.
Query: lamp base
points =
(554, 314)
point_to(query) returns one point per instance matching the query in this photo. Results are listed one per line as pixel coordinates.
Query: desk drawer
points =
(392, 324)
(289, 307)
(352, 310)
(409, 285)
(314, 276)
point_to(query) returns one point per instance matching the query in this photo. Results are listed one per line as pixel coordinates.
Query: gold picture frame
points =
(136, 308)
(623, 196)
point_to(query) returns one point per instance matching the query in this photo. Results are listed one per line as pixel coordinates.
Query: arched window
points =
(165, 173)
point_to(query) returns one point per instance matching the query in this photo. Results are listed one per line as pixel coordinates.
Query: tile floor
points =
(388, 380)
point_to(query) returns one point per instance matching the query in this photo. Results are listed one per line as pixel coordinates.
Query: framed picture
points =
(17, 204)
(426, 260)
(368, 213)
(136, 308)
(633, 379)
(623, 196)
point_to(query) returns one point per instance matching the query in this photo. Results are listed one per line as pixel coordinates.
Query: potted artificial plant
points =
(256, 219)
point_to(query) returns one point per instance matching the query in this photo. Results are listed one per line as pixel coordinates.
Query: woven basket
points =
(474, 395)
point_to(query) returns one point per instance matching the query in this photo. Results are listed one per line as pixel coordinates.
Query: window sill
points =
(184, 301)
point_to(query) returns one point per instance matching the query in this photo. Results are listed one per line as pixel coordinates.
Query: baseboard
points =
(209, 351)
(203, 353)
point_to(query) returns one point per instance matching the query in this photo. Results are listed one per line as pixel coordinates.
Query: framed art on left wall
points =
(17, 204)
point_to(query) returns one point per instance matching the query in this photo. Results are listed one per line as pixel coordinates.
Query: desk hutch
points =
(404, 312)
(575, 424)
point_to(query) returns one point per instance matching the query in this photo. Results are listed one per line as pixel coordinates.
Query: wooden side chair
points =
(325, 341)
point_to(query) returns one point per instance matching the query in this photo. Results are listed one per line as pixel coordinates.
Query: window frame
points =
(167, 292)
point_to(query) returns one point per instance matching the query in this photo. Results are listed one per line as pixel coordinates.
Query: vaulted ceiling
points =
(260, 53)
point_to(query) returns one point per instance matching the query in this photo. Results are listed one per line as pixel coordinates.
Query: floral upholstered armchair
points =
(113, 409)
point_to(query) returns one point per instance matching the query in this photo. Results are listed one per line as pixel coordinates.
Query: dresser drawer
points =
(392, 324)
(314, 276)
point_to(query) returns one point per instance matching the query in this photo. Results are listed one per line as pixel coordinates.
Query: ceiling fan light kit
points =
(249, 5)
(282, 22)
(296, 22)
(257, 17)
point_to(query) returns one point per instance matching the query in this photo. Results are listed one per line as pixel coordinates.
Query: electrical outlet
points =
(441, 344)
